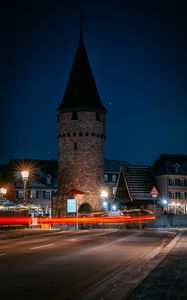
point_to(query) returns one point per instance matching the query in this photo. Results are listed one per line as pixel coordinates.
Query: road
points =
(84, 264)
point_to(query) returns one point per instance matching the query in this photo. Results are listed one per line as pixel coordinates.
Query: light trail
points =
(74, 220)
(42, 246)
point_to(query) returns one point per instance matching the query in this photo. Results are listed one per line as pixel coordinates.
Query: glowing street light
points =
(3, 191)
(25, 176)
(104, 195)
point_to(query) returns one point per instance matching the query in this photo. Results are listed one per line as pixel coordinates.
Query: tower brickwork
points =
(81, 134)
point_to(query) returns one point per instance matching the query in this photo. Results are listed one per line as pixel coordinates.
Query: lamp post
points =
(104, 195)
(164, 204)
(154, 193)
(3, 191)
(25, 176)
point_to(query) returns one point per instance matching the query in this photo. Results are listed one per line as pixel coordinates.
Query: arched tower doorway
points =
(85, 208)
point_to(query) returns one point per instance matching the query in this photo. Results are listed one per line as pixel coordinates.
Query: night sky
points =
(138, 54)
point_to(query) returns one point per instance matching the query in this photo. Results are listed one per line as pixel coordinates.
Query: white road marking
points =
(2, 254)
(43, 246)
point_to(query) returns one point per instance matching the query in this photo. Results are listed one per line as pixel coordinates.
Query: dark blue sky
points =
(138, 55)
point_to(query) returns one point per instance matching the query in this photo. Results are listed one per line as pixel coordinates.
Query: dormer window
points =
(177, 168)
(48, 179)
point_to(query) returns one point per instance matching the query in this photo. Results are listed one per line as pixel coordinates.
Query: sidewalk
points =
(169, 280)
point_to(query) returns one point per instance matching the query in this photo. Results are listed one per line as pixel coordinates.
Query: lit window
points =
(47, 195)
(105, 177)
(171, 181)
(32, 194)
(20, 194)
(171, 195)
(182, 195)
(114, 177)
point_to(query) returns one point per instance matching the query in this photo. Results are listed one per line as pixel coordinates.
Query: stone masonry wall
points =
(81, 157)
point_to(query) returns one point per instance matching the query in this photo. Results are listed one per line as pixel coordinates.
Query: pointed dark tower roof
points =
(81, 92)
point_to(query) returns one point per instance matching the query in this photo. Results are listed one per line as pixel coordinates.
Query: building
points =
(42, 182)
(41, 185)
(134, 187)
(171, 175)
(81, 134)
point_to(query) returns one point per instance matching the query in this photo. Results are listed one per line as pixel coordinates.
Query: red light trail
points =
(74, 220)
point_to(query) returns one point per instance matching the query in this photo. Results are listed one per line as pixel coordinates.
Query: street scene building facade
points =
(171, 176)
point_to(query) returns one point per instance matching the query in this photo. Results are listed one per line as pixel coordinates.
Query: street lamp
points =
(3, 191)
(164, 206)
(104, 195)
(25, 176)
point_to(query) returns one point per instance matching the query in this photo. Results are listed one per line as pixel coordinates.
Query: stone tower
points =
(81, 135)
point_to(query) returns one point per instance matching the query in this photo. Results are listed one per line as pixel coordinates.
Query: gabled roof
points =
(170, 164)
(81, 92)
(139, 181)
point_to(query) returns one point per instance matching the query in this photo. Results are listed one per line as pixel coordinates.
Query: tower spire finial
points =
(81, 26)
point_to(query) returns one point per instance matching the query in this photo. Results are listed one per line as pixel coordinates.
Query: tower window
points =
(86, 134)
(68, 134)
(75, 146)
(74, 134)
(80, 133)
(98, 117)
(74, 115)
(93, 134)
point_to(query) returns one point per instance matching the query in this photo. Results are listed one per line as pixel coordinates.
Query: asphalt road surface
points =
(84, 264)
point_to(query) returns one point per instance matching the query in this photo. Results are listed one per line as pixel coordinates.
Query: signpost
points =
(154, 193)
(72, 207)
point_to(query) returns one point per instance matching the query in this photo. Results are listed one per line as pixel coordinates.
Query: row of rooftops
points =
(137, 180)
(164, 164)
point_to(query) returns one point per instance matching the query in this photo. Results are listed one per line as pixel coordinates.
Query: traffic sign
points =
(154, 192)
